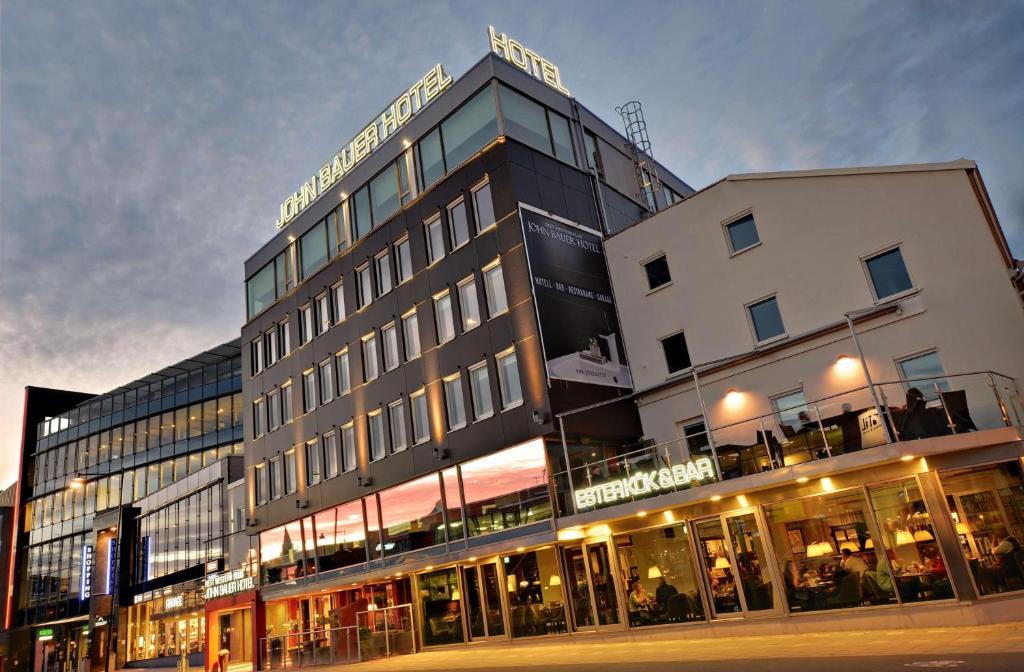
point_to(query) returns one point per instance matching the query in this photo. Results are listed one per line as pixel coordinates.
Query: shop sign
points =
(228, 583)
(87, 564)
(645, 484)
(44, 634)
(174, 602)
(396, 115)
(111, 565)
(526, 60)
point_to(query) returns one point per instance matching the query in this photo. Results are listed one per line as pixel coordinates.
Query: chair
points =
(676, 609)
(956, 405)
(850, 593)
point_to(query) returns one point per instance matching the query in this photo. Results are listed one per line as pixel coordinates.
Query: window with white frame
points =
(443, 317)
(454, 402)
(389, 338)
(924, 372)
(741, 234)
(323, 313)
(508, 378)
(370, 368)
(326, 380)
(305, 324)
(261, 484)
(338, 301)
(270, 338)
(348, 447)
(291, 483)
(458, 225)
(286, 402)
(312, 462)
(308, 390)
(695, 434)
(284, 339)
(420, 417)
(259, 417)
(364, 286)
(766, 319)
(791, 412)
(480, 387)
(888, 273)
(382, 265)
(677, 354)
(411, 334)
(403, 260)
(657, 272)
(396, 424)
(257, 355)
(494, 288)
(434, 232)
(343, 371)
(375, 433)
(332, 458)
(274, 410)
(469, 305)
(483, 207)
(276, 478)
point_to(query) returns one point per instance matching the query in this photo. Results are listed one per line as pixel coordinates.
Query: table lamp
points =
(653, 572)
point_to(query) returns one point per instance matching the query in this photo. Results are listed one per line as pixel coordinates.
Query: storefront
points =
(60, 647)
(233, 620)
(167, 623)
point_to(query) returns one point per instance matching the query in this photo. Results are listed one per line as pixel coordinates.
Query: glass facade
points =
(659, 576)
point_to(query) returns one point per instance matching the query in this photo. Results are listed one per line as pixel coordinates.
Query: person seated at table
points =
(853, 563)
(639, 604)
(879, 580)
(796, 590)
(1004, 553)
(663, 593)
(915, 416)
(933, 562)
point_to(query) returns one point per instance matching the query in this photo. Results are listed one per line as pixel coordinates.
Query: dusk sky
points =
(145, 146)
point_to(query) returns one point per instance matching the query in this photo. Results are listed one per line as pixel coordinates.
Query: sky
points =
(145, 146)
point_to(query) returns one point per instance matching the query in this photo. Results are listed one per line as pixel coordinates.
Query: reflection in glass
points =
(340, 539)
(281, 557)
(603, 584)
(715, 555)
(578, 587)
(659, 576)
(412, 515)
(506, 489)
(534, 587)
(442, 608)
(469, 129)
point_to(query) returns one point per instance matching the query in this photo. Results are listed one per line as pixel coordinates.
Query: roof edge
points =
(958, 164)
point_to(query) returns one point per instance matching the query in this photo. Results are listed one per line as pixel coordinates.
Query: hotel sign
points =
(642, 484)
(228, 583)
(386, 124)
(528, 61)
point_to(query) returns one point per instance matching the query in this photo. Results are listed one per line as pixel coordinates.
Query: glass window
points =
(284, 338)
(286, 402)
(443, 318)
(923, 373)
(326, 381)
(256, 350)
(742, 234)
(389, 335)
(403, 260)
(657, 272)
(273, 352)
(261, 290)
(411, 516)
(431, 159)
(677, 355)
(312, 462)
(506, 489)
(659, 576)
(261, 484)
(363, 222)
(411, 334)
(384, 194)
(888, 273)
(308, 390)
(338, 301)
(276, 478)
(480, 386)
(483, 206)
(375, 432)
(767, 319)
(827, 554)
(470, 128)
(458, 224)
(305, 324)
(791, 411)
(344, 375)
(259, 417)
(593, 155)
(561, 138)
(396, 423)
(323, 314)
(454, 403)
(370, 369)
(313, 249)
(348, 447)
(364, 286)
(332, 458)
(382, 265)
(469, 305)
(285, 270)
(273, 410)
(524, 120)
(281, 553)
(508, 378)
(340, 538)
(290, 475)
(494, 287)
(435, 238)
(442, 608)
(420, 417)
(987, 505)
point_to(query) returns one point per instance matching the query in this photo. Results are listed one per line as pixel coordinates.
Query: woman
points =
(639, 603)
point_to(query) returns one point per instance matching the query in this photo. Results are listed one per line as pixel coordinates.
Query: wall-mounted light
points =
(733, 399)
(846, 365)
(827, 485)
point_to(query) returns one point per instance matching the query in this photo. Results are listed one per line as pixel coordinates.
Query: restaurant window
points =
(657, 272)
(313, 249)
(828, 556)
(308, 390)
(262, 485)
(344, 374)
(361, 212)
(411, 334)
(305, 324)
(338, 301)
(469, 305)
(261, 290)
(483, 206)
(888, 273)
(326, 381)
(924, 373)
(340, 538)
(411, 516)
(508, 378)
(677, 354)
(766, 319)
(987, 505)
(742, 234)
(480, 386)
(396, 424)
(403, 260)
(348, 447)
(535, 593)
(494, 288)
(276, 478)
(312, 462)
(375, 434)
(458, 225)
(435, 238)
(454, 403)
(384, 197)
(389, 337)
(561, 138)
(370, 367)
(290, 475)
(916, 570)
(431, 158)
(791, 412)
(443, 318)
(659, 576)
(525, 120)
(281, 554)
(382, 265)
(470, 128)
(364, 286)
(332, 458)
(420, 417)
(506, 489)
(442, 607)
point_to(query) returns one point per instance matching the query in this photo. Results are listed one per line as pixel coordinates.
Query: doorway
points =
(592, 595)
(736, 570)
(485, 615)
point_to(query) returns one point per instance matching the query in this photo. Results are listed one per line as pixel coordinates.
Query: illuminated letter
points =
(388, 120)
(445, 80)
(519, 62)
(707, 470)
(281, 222)
(403, 108)
(499, 45)
(309, 191)
(336, 170)
(552, 77)
(325, 177)
(431, 86)
(348, 157)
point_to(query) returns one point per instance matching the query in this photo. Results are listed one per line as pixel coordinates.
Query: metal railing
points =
(822, 428)
(319, 646)
(386, 632)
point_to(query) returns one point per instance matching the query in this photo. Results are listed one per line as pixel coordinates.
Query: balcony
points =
(856, 419)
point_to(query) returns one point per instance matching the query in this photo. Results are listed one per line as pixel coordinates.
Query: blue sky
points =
(145, 146)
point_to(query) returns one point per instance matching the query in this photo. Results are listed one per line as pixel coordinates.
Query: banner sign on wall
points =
(573, 295)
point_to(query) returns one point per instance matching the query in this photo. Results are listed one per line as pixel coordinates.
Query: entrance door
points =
(577, 576)
(484, 614)
(735, 566)
(602, 583)
(592, 595)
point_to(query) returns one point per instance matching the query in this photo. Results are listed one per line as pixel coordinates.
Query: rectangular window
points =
(257, 355)
(284, 263)
(276, 478)
(286, 402)
(313, 249)
(657, 272)
(389, 336)
(323, 314)
(561, 138)
(458, 225)
(348, 447)
(261, 290)
(364, 286)
(284, 338)
(767, 319)
(332, 458)
(370, 369)
(924, 372)
(403, 260)
(742, 234)
(695, 435)
(520, 493)
(470, 128)
(469, 305)
(261, 485)
(525, 120)
(411, 334)
(375, 434)
(396, 423)
(494, 287)
(443, 317)
(454, 403)
(312, 462)
(326, 381)
(435, 238)
(382, 264)
(308, 390)
(431, 158)
(259, 417)
(273, 353)
(274, 409)
(420, 418)
(480, 386)
(344, 375)
(677, 355)
(888, 274)
(305, 324)
(593, 154)
(508, 378)
(361, 210)
(290, 476)
(791, 412)
(338, 301)
(384, 198)
(483, 207)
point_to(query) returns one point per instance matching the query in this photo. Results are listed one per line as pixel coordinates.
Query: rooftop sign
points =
(395, 116)
(528, 61)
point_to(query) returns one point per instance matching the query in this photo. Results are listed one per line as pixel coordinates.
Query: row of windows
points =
(272, 346)
(335, 452)
(182, 534)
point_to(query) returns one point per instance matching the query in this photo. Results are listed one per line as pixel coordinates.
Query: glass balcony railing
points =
(842, 423)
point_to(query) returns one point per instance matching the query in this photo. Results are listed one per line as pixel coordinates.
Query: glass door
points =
(578, 590)
(719, 573)
(736, 569)
(484, 614)
(750, 559)
(474, 603)
(602, 581)
(491, 587)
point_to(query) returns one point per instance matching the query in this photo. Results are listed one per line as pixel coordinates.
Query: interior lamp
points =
(904, 538)
(653, 572)
(721, 563)
(923, 535)
(456, 595)
(849, 546)
(961, 528)
(870, 543)
(820, 548)
(555, 580)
